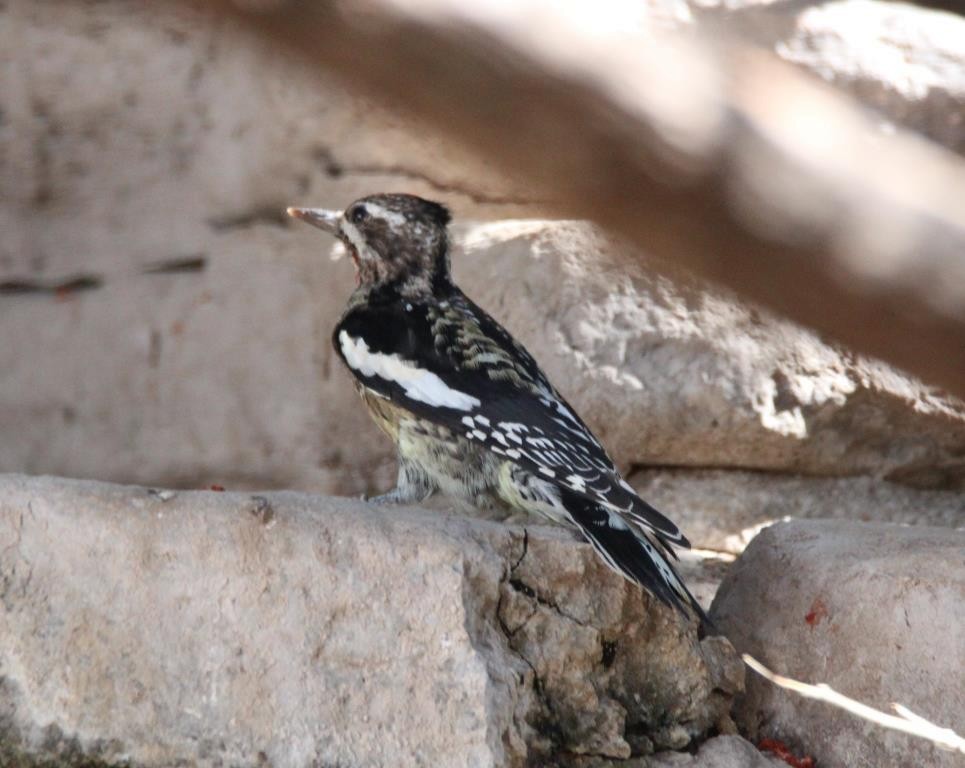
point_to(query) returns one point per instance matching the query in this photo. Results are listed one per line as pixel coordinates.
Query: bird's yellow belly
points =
(458, 467)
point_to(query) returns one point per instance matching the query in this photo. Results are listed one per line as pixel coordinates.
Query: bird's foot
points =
(382, 499)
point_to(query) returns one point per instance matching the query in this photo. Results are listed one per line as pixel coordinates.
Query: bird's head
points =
(398, 240)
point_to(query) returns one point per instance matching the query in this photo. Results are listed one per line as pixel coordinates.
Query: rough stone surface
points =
(875, 611)
(230, 629)
(724, 510)
(729, 751)
(720, 752)
(905, 61)
(135, 133)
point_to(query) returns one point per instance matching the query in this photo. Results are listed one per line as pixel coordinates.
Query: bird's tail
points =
(634, 554)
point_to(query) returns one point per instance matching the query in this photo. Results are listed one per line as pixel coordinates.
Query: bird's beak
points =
(318, 217)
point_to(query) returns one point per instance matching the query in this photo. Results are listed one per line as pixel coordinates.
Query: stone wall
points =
(162, 324)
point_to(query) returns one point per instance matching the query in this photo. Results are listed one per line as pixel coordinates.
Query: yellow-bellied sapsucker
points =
(469, 409)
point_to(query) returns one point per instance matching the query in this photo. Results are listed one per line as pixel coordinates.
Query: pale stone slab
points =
(875, 611)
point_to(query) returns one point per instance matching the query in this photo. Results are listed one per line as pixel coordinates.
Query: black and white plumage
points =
(471, 412)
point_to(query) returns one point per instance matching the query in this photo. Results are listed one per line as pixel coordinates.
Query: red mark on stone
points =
(818, 611)
(780, 750)
(216, 487)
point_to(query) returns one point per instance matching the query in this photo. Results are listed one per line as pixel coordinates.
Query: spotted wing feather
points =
(450, 363)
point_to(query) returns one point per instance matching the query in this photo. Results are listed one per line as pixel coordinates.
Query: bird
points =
(471, 413)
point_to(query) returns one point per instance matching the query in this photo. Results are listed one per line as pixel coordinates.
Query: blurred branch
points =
(950, 6)
(712, 157)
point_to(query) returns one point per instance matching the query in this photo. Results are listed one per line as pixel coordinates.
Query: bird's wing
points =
(452, 364)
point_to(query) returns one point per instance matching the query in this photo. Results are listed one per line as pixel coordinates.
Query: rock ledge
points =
(154, 629)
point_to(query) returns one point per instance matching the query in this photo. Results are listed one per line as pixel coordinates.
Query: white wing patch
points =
(418, 384)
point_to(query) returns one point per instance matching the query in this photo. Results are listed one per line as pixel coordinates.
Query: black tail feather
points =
(634, 554)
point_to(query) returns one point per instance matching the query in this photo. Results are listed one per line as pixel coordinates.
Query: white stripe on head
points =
(394, 218)
(354, 236)
(418, 384)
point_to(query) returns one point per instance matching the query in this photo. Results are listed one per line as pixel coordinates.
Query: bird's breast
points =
(386, 414)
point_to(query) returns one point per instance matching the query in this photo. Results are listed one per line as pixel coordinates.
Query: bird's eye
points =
(358, 215)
